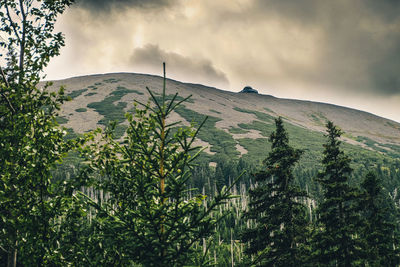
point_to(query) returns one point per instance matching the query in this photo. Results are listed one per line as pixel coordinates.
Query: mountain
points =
(238, 124)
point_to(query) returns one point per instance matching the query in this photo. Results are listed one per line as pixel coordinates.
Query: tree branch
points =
(12, 22)
(2, 94)
(22, 42)
(3, 249)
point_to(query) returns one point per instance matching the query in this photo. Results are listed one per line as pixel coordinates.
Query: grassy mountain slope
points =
(238, 123)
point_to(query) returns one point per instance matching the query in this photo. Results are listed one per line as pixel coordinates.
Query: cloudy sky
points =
(341, 52)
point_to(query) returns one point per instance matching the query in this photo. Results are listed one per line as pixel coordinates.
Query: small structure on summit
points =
(248, 89)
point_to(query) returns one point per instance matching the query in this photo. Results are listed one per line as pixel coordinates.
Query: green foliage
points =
(31, 141)
(119, 131)
(389, 149)
(171, 96)
(277, 236)
(61, 120)
(379, 225)
(338, 242)
(70, 135)
(311, 143)
(28, 37)
(256, 148)
(149, 217)
(307, 140)
(29, 199)
(76, 93)
(81, 110)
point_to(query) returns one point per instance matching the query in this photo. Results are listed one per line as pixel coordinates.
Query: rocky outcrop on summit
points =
(248, 89)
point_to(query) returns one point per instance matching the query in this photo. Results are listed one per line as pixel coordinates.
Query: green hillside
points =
(237, 126)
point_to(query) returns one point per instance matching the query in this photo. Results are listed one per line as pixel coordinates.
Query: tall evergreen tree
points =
(278, 218)
(150, 217)
(337, 243)
(379, 227)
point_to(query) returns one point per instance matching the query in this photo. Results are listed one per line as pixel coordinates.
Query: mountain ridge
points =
(98, 98)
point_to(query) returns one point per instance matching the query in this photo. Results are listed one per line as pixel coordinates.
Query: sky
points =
(341, 52)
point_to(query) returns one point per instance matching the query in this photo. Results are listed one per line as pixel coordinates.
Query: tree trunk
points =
(12, 258)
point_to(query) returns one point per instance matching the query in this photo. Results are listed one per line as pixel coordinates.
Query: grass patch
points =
(318, 118)
(257, 149)
(61, 120)
(76, 93)
(388, 149)
(222, 143)
(177, 99)
(312, 144)
(214, 111)
(108, 108)
(300, 138)
(91, 93)
(111, 80)
(81, 110)
(269, 110)
(393, 125)
(236, 130)
(119, 131)
(260, 115)
(124, 91)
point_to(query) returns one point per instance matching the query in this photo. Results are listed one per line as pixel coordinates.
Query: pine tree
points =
(378, 231)
(338, 217)
(275, 209)
(150, 217)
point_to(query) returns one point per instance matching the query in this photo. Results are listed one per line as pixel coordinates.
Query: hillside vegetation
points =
(238, 124)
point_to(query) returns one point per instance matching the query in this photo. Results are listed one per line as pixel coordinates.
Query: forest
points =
(151, 198)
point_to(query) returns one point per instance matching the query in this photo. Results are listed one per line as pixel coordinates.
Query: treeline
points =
(350, 225)
(338, 217)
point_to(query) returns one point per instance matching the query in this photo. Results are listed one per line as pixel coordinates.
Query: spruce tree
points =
(150, 216)
(337, 243)
(276, 215)
(378, 231)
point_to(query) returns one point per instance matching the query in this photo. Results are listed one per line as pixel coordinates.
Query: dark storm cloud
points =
(152, 57)
(359, 41)
(385, 73)
(105, 6)
(387, 9)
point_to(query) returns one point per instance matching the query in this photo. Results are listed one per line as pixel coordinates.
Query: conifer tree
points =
(150, 216)
(378, 231)
(337, 243)
(279, 219)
